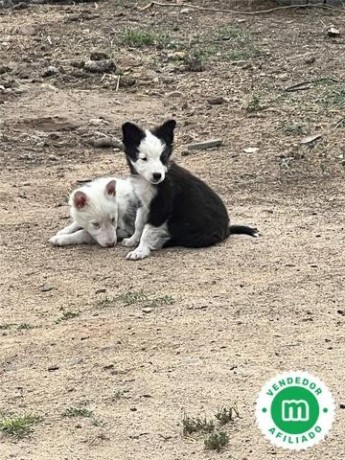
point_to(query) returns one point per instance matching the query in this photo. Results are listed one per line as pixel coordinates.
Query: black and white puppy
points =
(178, 209)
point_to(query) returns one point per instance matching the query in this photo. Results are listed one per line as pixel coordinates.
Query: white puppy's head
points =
(94, 208)
(147, 152)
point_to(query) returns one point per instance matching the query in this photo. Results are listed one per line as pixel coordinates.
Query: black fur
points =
(195, 215)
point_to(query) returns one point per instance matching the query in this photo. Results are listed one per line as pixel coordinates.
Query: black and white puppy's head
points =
(148, 152)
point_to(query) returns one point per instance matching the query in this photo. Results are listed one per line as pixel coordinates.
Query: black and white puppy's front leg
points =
(140, 221)
(152, 239)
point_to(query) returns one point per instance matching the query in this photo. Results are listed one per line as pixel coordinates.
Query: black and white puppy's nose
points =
(156, 176)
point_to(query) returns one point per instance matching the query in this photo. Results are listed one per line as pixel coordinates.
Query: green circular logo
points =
(295, 410)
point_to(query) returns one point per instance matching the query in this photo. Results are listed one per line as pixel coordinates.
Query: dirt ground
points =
(136, 345)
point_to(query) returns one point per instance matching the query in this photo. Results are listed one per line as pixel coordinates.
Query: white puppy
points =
(102, 211)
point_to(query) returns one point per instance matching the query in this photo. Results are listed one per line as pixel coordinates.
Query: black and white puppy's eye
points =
(95, 224)
(143, 159)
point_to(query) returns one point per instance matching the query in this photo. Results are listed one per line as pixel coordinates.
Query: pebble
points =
(333, 32)
(104, 65)
(100, 291)
(147, 309)
(98, 56)
(46, 288)
(126, 81)
(49, 71)
(217, 100)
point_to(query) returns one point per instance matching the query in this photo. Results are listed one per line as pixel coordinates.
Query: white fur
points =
(149, 162)
(102, 218)
(152, 239)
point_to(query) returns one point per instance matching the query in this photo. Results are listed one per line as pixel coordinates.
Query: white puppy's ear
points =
(79, 199)
(110, 189)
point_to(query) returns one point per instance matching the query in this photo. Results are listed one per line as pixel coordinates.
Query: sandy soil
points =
(208, 327)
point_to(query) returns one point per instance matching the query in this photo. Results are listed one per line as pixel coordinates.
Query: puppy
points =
(178, 209)
(102, 211)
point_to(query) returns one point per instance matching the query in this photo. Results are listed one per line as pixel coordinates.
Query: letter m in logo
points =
(295, 410)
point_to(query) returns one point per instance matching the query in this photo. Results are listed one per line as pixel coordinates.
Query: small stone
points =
(98, 56)
(333, 32)
(284, 76)
(106, 142)
(133, 409)
(217, 100)
(310, 60)
(185, 153)
(5, 69)
(251, 150)
(78, 64)
(96, 121)
(46, 288)
(342, 406)
(185, 11)
(50, 71)
(147, 309)
(126, 81)
(100, 291)
(104, 65)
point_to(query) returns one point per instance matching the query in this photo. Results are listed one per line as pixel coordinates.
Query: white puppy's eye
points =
(95, 224)
(113, 220)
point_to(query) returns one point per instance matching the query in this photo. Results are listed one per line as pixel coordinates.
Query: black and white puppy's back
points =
(178, 209)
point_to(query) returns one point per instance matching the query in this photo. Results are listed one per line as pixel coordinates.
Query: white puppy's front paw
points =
(57, 240)
(129, 242)
(138, 254)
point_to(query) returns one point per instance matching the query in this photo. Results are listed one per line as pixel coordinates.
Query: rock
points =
(46, 288)
(100, 291)
(126, 81)
(185, 11)
(185, 153)
(342, 406)
(99, 56)
(50, 71)
(333, 32)
(78, 64)
(106, 142)
(310, 139)
(205, 145)
(251, 150)
(310, 60)
(102, 66)
(5, 69)
(147, 309)
(217, 100)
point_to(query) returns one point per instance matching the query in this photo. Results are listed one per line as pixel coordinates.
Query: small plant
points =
(254, 104)
(225, 415)
(77, 412)
(24, 327)
(19, 426)
(197, 425)
(216, 441)
(138, 38)
(5, 327)
(67, 315)
(195, 60)
(138, 298)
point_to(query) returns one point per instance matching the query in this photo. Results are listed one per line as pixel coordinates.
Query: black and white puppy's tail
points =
(243, 230)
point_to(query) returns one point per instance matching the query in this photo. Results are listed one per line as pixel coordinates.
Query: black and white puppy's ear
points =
(166, 132)
(132, 135)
